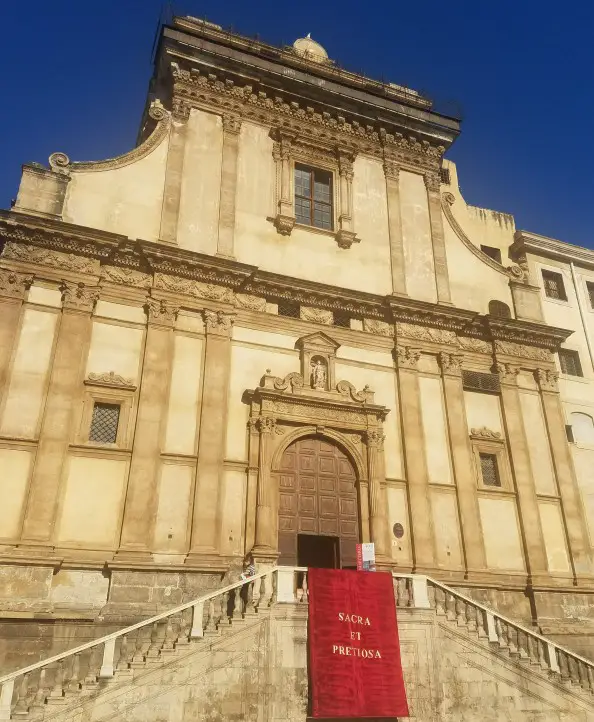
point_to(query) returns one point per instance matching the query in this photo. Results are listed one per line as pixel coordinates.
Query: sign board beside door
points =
(366, 557)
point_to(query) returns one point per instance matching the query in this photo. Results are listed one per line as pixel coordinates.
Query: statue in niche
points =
(319, 374)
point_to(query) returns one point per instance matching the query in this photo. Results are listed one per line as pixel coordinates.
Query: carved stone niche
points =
(318, 354)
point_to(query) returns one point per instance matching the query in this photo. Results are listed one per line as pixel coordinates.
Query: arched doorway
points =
(318, 519)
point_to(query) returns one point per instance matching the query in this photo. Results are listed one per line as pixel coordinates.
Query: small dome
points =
(308, 48)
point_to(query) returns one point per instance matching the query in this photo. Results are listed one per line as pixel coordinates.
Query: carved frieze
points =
(189, 287)
(317, 315)
(509, 348)
(218, 322)
(547, 380)
(252, 303)
(451, 363)
(320, 412)
(78, 297)
(485, 433)
(425, 333)
(474, 344)
(160, 312)
(407, 357)
(110, 379)
(379, 328)
(46, 257)
(126, 276)
(13, 284)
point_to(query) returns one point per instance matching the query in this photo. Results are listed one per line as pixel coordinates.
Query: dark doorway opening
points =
(322, 552)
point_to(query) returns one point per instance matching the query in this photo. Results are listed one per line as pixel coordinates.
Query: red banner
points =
(354, 651)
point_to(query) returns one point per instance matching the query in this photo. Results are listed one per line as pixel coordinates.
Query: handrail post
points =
(6, 690)
(285, 585)
(552, 657)
(108, 656)
(420, 592)
(197, 620)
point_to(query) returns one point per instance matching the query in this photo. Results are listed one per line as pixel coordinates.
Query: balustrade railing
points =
(29, 691)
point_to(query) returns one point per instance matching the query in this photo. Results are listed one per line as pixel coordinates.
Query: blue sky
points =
(76, 74)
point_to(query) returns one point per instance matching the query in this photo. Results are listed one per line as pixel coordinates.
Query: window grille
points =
(478, 381)
(570, 362)
(489, 470)
(444, 174)
(499, 309)
(342, 319)
(313, 197)
(492, 252)
(590, 287)
(553, 285)
(290, 309)
(104, 423)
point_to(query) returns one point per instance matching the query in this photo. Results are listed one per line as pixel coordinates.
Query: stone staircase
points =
(240, 653)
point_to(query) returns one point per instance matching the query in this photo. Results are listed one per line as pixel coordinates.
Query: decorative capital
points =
(13, 284)
(432, 182)
(160, 312)
(508, 373)
(345, 239)
(218, 322)
(374, 438)
(284, 224)
(345, 165)
(407, 357)
(451, 363)
(266, 424)
(391, 169)
(78, 297)
(231, 123)
(547, 380)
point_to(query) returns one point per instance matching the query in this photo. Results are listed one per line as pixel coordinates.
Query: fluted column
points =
(231, 129)
(531, 529)
(377, 501)
(392, 173)
(266, 543)
(141, 496)
(13, 287)
(442, 280)
(573, 512)
(423, 537)
(74, 333)
(474, 549)
(206, 517)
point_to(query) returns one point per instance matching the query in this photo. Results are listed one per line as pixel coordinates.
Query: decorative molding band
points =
(61, 163)
(484, 433)
(513, 272)
(110, 379)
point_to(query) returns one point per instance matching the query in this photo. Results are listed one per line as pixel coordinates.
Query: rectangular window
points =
(313, 197)
(444, 176)
(553, 285)
(290, 309)
(104, 423)
(342, 319)
(590, 287)
(570, 362)
(492, 252)
(489, 470)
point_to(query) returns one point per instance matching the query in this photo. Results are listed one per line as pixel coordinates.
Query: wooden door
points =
(317, 495)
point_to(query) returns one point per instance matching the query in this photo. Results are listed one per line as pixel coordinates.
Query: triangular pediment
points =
(319, 341)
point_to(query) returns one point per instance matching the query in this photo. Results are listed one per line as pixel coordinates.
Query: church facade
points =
(276, 327)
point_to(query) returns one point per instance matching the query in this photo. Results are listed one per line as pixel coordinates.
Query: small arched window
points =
(499, 309)
(583, 428)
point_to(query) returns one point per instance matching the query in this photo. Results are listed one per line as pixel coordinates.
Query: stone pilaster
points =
(442, 280)
(345, 236)
(530, 525)
(474, 550)
(74, 333)
(285, 213)
(573, 513)
(211, 445)
(231, 129)
(378, 522)
(141, 496)
(392, 173)
(265, 547)
(173, 180)
(423, 537)
(13, 287)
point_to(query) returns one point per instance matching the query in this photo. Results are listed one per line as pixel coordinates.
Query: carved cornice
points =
(60, 162)
(422, 313)
(78, 297)
(407, 357)
(13, 284)
(547, 379)
(218, 322)
(514, 272)
(484, 433)
(160, 312)
(110, 379)
(526, 333)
